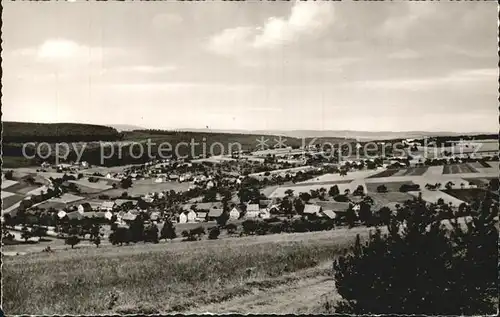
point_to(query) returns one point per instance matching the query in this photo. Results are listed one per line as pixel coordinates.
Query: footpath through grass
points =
(160, 278)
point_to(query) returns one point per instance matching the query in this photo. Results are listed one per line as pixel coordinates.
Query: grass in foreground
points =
(168, 279)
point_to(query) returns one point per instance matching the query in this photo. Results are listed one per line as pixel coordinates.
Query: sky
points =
(370, 66)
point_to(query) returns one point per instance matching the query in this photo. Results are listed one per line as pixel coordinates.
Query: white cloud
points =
(66, 51)
(399, 25)
(306, 19)
(465, 78)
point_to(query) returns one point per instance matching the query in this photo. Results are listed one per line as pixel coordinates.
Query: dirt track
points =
(302, 297)
(306, 294)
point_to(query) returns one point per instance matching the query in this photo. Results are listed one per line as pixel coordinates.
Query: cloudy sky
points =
(255, 65)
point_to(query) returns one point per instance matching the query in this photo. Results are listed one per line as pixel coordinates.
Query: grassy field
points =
(467, 195)
(161, 278)
(382, 199)
(434, 196)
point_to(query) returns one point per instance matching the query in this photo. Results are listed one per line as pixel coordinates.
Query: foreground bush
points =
(424, 268)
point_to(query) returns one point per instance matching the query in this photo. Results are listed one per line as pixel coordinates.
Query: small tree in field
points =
(422, 266)
(96, 240)
(168, 231)
(231, 228)
(72, 241)
(214, 233)
(334, 191)
(26, 234)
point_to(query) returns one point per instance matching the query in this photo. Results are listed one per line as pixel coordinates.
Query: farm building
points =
(155, 215)
(264, 203)
(84, 207)
(201, 216)
(329, 214)
(98, 214)
(208, 206)
(129, 216)
(312, 210)
(182, 218)
(107, 205)
(253, 208)
(75, 215)
(273, 209)
(251, 214)
(264, 214)
(214, 213)
(125, 203)
(191, 216)
(235, 213)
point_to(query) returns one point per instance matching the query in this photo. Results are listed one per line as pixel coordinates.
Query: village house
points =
(61, 214)
(125, 203)
(252, 211)
(84, 207)
(329, 214)
(264, 214)
(214, 213)
(128, 216)
(201, 216)
(182, 217)
(235, 213)
(191, 216)
(75, 215)
(107, 205)
(312, 211)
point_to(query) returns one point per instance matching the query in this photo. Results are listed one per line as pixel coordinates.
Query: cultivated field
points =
(143, 187)
(172, 277)
(394, 178)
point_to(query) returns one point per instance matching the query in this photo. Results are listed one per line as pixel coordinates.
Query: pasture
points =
(162, 278)
(391, 186)
(468, 195)
(382, 199)
(433, 196)
(335, 177)
(145, 186)
(85, 186)
(306, 188)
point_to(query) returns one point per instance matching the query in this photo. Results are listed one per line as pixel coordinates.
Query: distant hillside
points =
(365, 135)
(340, 134)
(247, 140)
(19, 132)
(125, 127)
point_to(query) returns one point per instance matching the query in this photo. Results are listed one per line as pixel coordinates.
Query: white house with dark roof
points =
(182, 217)
(191, 216)
(107, 205)
(235, 213)
(310, 209)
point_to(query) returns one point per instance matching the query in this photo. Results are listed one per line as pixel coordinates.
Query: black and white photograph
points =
(250, 157)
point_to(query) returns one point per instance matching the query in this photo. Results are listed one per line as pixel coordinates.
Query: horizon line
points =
(258, 130)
